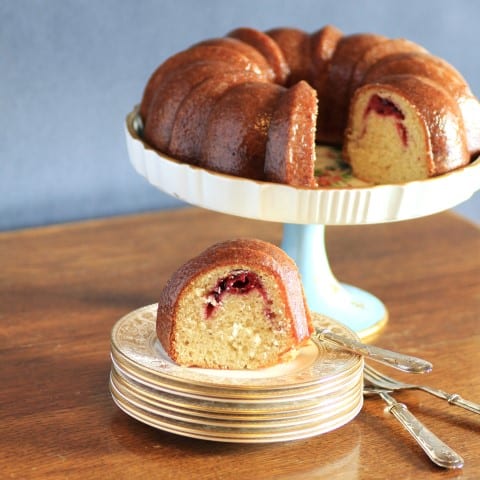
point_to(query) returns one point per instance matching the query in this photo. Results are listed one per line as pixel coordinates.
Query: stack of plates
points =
(319, 391)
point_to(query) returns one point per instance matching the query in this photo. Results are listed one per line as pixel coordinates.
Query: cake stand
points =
(305, 213)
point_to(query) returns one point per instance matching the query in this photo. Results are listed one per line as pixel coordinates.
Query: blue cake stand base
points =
(359, 310)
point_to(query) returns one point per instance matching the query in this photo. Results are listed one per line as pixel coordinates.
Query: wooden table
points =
(63, 287)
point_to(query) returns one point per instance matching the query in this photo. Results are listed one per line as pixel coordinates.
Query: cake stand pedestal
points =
(360, 310)
(305, 213)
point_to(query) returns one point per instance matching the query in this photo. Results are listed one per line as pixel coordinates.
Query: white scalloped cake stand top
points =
(286, 204)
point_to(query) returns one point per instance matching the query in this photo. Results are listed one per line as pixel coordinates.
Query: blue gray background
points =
(72, 70)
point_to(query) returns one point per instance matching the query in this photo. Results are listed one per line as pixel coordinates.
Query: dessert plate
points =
(134, 341)
(318, 391)
(218, 408)
(249, 398)
(241, 433)
(322, 411)
(239, 411)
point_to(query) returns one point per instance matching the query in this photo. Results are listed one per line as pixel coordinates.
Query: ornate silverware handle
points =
(457, 400)
(439, 452)
(452, 398)
(396, 360)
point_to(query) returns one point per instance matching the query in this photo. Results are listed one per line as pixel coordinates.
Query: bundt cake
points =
(237, 305)
(244, 104)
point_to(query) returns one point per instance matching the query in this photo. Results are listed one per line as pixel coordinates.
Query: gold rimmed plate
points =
(134, 340)
(321, 413)
(240, 434)
(292, 410)
(217, 393)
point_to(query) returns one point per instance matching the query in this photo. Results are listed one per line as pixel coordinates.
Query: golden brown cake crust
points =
(443, 117)
(195, 54)
(236, 136)
(169, 96)
(295, 45)
(323, 44)
(438, 70)
(250, 52)
(333, 109)
(268, 48)
(377, 52)
(192, 116)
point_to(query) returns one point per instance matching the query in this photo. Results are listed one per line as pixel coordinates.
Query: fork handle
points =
(439, 452)
(457, 400)
(452, 398)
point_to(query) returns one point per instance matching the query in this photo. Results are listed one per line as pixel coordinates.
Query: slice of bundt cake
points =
(238, 305)
(290, 155)
(404, 128)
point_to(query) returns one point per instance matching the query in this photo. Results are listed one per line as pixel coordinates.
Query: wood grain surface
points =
(63, 287)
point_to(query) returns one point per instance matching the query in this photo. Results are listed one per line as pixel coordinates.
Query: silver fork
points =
(381, 380)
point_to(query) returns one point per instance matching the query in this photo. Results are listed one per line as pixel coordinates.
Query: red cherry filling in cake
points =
(239, 282)
(386, 108)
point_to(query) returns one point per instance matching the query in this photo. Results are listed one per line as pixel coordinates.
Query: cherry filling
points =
(239, 282)
(384, 107)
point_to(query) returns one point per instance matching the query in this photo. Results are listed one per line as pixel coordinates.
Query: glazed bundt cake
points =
(254, 104)
(237, 305)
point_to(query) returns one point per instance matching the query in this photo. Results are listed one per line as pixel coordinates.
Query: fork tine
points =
(374, 376)
(377, 374)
